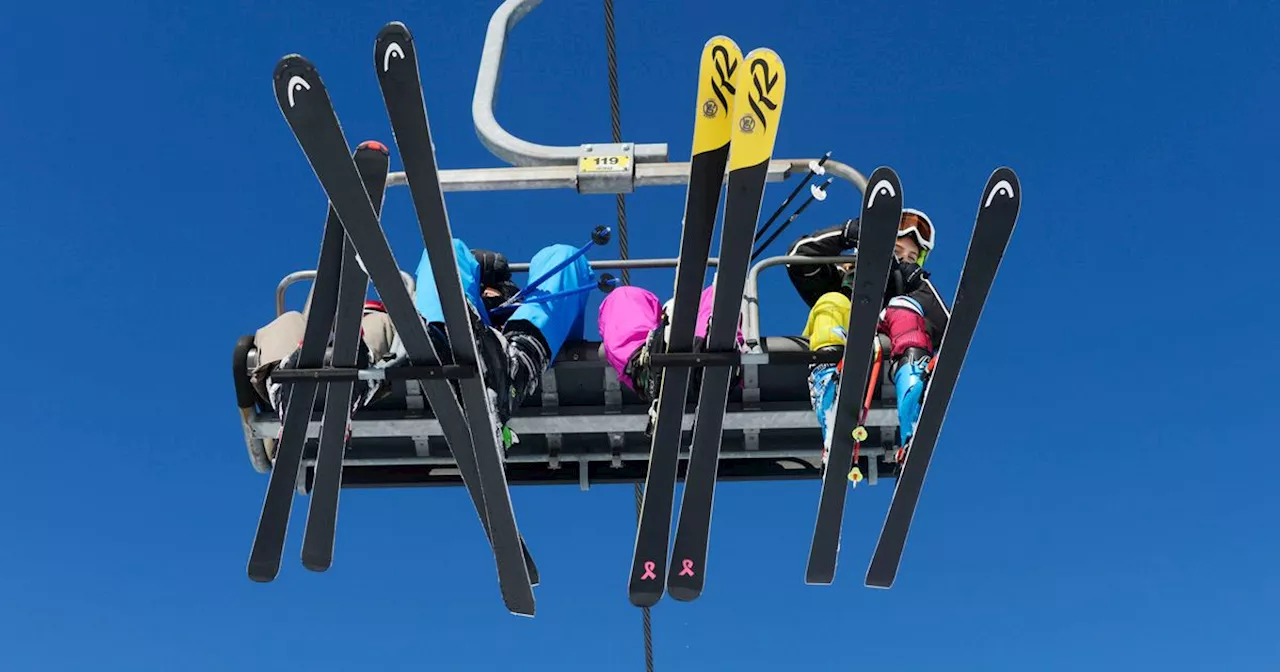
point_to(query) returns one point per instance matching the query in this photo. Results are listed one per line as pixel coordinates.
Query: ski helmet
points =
(918, 225)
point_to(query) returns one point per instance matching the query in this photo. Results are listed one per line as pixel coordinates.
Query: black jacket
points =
(811, 282)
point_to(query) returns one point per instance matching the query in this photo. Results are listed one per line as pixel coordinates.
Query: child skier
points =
(914, 316)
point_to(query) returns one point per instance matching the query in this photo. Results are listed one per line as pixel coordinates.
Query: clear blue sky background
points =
(1103, 496)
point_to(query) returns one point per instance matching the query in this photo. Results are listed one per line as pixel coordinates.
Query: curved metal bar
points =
(751, 297)
(299, 276)
(497, 139)
(842, 171)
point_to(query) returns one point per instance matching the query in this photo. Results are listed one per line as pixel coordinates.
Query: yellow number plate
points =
(619, 163)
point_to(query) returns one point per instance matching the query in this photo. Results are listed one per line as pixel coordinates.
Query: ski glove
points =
(493, 268)
(905, 277)
(849, 237)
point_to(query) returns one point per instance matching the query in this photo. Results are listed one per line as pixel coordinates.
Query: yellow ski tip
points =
(721, 61)
(761, 86)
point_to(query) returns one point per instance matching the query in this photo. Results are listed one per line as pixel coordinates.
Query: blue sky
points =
(1102, 497)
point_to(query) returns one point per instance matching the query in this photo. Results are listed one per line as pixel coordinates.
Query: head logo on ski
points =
(883, 187)
(1002, 188)
(296, 83)
(392, 49)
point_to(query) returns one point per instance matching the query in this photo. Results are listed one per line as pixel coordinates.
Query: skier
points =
(516, 346)
(914, 316)
(633, 324)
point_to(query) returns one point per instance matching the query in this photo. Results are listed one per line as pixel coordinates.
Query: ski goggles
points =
(917, 224)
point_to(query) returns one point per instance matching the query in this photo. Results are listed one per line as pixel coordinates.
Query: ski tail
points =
(717, 74)
(396, 62)
(997, 216)
(881, 213)
(757, 111)
(372, 160)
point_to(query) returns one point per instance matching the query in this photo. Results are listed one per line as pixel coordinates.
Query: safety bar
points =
(495, 138)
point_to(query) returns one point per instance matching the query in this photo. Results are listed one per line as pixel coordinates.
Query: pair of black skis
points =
(340, 288)
(739, 107)
(881, 214)
(473, 436)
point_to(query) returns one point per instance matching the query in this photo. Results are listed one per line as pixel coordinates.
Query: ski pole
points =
(606, 284)
(600, 236)
(815, 168)
(816, 193)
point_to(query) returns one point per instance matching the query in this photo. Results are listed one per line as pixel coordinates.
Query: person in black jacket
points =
(914, 316)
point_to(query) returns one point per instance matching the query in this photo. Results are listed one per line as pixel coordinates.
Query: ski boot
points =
(910, 373)
(646, 382)
(514, 359)
(823, 381)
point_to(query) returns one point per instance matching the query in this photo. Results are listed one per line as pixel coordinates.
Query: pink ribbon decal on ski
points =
(648, 571)
(686, 567)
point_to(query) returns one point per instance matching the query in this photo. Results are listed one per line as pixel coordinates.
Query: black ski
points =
(997, 215)
(307, 108)
(711, 133)
(318, 539)
(273, 524)
(757, 112)
(396, 62)
(878, 230)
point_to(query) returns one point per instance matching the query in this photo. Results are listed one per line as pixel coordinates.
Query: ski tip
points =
(884, 188)
(394, 42)
(293, 76)
(289, 61)
(717, 76)
(375, 146)
(394, 30)
(761, 86)
(720, 39)
(1003, 189)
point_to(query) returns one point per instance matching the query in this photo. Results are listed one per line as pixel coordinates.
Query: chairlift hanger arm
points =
(497, 139)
